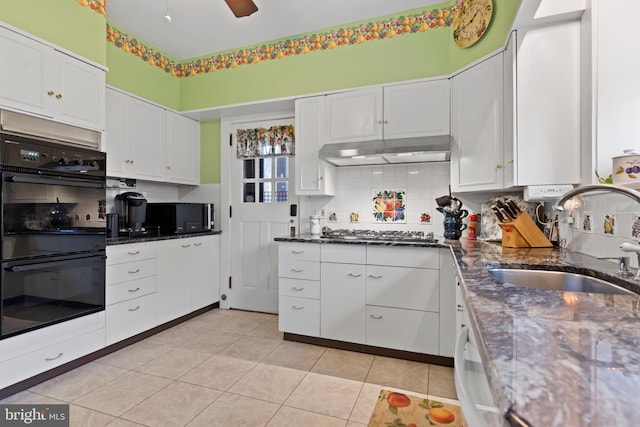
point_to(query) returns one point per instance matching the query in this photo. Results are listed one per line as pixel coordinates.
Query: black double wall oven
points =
(53, 232)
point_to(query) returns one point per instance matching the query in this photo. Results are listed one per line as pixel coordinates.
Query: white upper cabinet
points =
(406, 110)
(476, 127)
(147, 132)
(44, 81)
(314, 177)
(182, 149)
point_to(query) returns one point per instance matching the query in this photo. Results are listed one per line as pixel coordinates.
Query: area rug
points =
(402, 410)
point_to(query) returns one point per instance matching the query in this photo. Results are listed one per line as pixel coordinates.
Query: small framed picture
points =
(609, 224)
(425, 218)
(587, 222)
(635, 226)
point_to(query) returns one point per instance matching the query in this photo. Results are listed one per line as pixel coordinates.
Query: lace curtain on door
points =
(263, 142)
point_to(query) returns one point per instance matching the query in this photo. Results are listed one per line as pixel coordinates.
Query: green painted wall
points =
(63, 22)
(210, 152)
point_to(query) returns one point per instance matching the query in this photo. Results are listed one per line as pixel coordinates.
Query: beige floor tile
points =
(240, 325)
(134, 356)
(344, 364)
(295, 355)
(78, 382)
(326, 395)
(367, 400)
(268, 329)
(210, 321)
(79, 416)
(250, 348)
(287, 416)
(123, 393)
(174, 405)
(234, 410)
(176, 336)
(251, 314)
(219, 372)
(268, 382)
(175, 363)
(403, 374)
(211, 342)
(441, 382)
(28, 397)
(119, 422)
(352, 424)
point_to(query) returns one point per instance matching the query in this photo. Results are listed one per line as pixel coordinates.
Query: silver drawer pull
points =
(293, 288)
(134, 271)
(135, 309)
(49, 359)
(295, 307)
(297, 252)
(376, 316)
(135, 290)
(134, 253)
(197, 244)
(354, 275)
(460, 308)
(185, 246)
(373, 276)
(296, 270)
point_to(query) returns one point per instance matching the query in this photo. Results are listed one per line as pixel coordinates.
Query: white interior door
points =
(261, 193)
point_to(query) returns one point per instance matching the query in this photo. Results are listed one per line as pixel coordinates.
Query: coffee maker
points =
(131, 208)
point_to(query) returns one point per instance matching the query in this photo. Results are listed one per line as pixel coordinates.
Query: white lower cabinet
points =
(131, 317)
(401, 329)
(299, 315)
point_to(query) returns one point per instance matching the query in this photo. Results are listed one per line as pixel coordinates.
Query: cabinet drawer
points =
(131, 317)
(299, 316)
(132, 289)
(300, 288)
(44, 359)
(401, 287)
(306, 270)
(130, 271)
(403, 329)
(298, 251)
(346, 254)
(404, 256)
(130, 252)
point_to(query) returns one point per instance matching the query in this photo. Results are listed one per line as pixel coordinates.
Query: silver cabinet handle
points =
(135, 309)
(197, 244)
(460, 308)
(376, 316)
(185, 246)
(296, 307)
(354, 275)
(297, 252)
(135, 290)
(134, 271)
(134, 253)
(373, 276)
(296, 270)
(49, 359)
(293, 288)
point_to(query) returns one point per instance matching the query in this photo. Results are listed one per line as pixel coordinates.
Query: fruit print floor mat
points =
(402, 410)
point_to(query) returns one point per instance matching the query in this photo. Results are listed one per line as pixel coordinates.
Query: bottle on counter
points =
(472, 232)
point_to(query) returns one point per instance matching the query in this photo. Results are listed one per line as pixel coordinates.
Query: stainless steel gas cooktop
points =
(390, 235)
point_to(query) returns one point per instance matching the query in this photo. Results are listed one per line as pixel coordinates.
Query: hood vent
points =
(410, 150)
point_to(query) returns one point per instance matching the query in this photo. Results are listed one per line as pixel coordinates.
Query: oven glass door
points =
(41, 292)
(48, 215)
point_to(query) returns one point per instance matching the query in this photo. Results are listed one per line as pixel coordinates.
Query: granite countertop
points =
(307, 238)
(554, 358)
(125, 240)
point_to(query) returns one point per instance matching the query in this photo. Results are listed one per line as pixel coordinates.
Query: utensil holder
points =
(522, 232)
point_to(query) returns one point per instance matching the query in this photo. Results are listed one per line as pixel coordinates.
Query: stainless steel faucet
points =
(630, 247)
(559, 205)
(623, 264)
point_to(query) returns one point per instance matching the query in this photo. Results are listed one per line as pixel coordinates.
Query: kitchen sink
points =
(557, 281)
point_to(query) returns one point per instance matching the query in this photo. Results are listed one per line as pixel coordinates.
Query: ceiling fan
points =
(242, 8)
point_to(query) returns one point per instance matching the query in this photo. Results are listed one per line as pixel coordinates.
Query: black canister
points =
(112, 225)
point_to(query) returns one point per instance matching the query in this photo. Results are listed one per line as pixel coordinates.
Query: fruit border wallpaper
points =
(304, 44)
(99, 6)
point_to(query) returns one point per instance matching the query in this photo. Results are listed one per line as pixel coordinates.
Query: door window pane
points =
(249, 168)
(266, 168)
(282, 167)
(282, 191)
(249, 192)
(265, 192)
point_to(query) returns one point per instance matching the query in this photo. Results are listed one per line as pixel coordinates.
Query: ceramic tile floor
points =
(230, 367)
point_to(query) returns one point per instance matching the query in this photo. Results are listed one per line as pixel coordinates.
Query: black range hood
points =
(396, 151)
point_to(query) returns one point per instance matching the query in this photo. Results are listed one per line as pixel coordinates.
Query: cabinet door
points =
(476, 127)
(174, 281)
(299, 315)
(314, 177)
(131, 317)
(509, 136)
(354, 116)
(117, 141)
(401, 287)
(342, 302)
(22, 82)
(416, 109)
(147, 130)
(403, 329)
(204, 271)
(80, 92)
(182, 149)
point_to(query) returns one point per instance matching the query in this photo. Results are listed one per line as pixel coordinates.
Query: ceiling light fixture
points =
(167, 17)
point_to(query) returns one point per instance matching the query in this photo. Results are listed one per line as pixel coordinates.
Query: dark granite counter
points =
(555, 358)
(306, 238)
(126, 240)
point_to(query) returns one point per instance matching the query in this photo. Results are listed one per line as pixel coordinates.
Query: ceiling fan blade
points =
(242, 8)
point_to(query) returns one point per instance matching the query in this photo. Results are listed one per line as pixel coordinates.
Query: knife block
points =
(522, 232)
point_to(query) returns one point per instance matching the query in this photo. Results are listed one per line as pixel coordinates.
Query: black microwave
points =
(180, 218)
